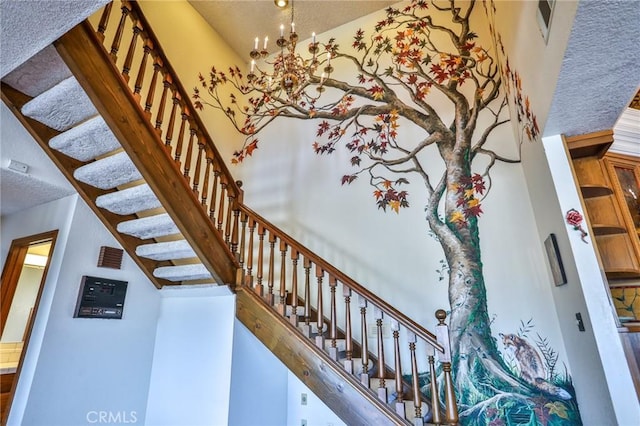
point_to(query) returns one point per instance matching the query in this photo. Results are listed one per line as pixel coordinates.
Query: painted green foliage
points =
(420, 52)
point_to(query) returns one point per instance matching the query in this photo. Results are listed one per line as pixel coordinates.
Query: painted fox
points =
(532, 369)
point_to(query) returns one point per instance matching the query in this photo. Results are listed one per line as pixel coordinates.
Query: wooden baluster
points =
(282, 306)
(319, 308)
(172, 120)
(207, 174)
(166, 84)
(243, 237)
(293, 318)
(235, 228)
(183, 125)
(104, 21)
(450, 405)
(187, 160)
(382, 390)
(259, 287)
(348, 363)
(148, 47)
(148, 103)
(415, 384)
(252, 227)
(196, 175)
(223, 191)
(229, 222)
(399, 404)
(333, 315)
(214, 194)
(137, 29)
(364, 375)
(436, 416)
(117, 39)
(270, 280)
(306, 328)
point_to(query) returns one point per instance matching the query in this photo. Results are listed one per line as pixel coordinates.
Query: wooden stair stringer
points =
(340, 391)
(90, 64)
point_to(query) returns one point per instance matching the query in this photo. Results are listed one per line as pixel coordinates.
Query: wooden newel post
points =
(450, 405)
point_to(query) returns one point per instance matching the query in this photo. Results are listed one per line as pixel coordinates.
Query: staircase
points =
(147, 167)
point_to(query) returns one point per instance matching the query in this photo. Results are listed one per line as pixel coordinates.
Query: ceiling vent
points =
(544, 15)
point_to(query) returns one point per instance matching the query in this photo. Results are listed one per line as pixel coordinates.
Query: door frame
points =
(8, 284)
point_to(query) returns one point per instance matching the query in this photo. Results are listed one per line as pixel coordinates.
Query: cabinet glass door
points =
(630, 190)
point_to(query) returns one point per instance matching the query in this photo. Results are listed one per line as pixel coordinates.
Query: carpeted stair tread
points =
(182, 272)
(61, 107)
(129, 201)
(149, 227)
(166, 250)
(38, 74)
(108, 172)
(86, 141)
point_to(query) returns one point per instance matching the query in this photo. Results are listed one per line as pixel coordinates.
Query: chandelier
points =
(290, 72)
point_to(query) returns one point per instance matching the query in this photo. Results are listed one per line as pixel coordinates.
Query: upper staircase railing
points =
(299, 285)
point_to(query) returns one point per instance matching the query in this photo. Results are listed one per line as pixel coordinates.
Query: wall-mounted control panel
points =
(100, 298)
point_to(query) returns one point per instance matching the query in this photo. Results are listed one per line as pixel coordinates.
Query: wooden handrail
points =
(345, 279)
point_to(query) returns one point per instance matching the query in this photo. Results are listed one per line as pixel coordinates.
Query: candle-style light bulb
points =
(266, 39)
(293, 27)
(313, 38)
(281, 30)
(255, 45)
(328, 58)
(322, 77)
(253, 65)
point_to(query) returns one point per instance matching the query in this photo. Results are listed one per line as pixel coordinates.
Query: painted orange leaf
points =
(252, 147)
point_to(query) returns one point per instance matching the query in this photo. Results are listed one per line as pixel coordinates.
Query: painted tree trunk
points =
(487, 390)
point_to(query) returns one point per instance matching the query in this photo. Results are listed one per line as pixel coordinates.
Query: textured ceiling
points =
(26, 27)
(20, 191)
(600, 71)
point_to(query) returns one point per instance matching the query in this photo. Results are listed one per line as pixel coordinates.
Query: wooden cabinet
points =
(610, 187)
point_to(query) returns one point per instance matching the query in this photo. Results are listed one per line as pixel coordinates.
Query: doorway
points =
(23, 276)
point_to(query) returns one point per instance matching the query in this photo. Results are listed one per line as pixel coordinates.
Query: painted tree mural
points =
(418, 53)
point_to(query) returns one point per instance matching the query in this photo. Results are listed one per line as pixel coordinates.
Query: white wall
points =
(314, 413)
(191, 373)
(258, 381)
(85, 366)
(585, 361)
(47, 217)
